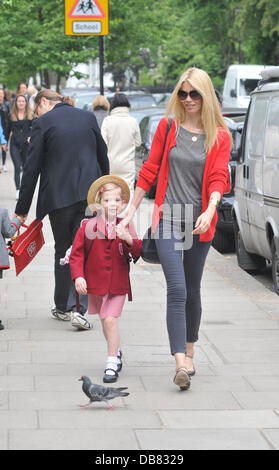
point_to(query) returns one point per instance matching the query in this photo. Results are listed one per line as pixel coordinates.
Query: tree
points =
(259, 22)
(33, 40)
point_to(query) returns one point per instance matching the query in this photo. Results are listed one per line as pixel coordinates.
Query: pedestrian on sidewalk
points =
(20, 126)
(7, 230)
(121, 133)
(99, 262)
(3, 141)
(193, 174)
(68, 152)
(100, 107)
(4, 115)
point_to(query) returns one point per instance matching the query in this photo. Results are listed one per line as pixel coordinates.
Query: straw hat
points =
(97, 185)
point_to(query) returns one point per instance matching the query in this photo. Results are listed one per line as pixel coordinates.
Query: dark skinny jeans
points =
(18, 156)
(183, 269)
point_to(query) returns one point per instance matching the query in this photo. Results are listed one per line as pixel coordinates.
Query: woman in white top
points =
(121, 133)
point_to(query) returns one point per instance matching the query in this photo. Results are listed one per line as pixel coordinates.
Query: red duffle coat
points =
(101, 261)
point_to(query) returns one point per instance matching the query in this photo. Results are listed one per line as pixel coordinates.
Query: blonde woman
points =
(20, 125)
(100, 107)
(192, 176)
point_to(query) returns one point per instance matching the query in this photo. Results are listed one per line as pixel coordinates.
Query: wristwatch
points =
(214, 201)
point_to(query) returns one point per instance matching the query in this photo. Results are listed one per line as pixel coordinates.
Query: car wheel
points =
(223, 242)
(247, 261)
(275, 267)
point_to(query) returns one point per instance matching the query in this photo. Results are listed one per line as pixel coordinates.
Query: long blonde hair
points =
(211, 116)
(28, 114)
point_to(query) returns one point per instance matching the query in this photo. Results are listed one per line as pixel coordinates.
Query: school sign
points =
(86, 17)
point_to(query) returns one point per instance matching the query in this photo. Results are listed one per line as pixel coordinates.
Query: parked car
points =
(137, 99)
(223, 240)
(83, 100)
(256, 204)
(239, 82)
(140, 113)
(148, 125)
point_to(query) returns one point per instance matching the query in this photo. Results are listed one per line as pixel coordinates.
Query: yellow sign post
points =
(86, 17)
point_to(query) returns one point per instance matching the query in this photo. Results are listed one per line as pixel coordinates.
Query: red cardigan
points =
(102, 262)
(215, 177)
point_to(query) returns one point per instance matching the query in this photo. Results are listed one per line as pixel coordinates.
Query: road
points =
(264, 277)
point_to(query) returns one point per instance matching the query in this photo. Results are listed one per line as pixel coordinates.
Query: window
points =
(256, 126)
(247, 85)
(272, 129)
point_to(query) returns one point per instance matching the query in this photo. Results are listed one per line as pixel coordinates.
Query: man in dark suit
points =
(68, 152)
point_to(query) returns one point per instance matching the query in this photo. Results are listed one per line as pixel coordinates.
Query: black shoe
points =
(1, 326)
(110, 378)
(119, 365)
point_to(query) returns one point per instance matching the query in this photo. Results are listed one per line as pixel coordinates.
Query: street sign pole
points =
(101, 63)
(88, 18)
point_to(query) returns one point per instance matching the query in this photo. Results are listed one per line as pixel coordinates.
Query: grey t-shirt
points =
(186, 167)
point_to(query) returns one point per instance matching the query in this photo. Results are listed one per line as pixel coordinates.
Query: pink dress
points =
(108, 305)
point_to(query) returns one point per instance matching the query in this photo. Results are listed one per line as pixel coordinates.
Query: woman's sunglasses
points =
(183, 95)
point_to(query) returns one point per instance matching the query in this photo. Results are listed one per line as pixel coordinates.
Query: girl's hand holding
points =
(81, 285)
(123, 233)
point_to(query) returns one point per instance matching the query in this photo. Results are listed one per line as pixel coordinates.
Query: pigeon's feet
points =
(84, 406)
(110, 407)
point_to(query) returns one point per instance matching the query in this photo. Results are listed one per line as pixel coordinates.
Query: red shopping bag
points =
(27, 245)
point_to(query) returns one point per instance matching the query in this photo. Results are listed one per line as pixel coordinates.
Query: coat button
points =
(108, 269)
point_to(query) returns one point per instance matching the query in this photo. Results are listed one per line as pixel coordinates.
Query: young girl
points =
(7, 229)
(99, 262)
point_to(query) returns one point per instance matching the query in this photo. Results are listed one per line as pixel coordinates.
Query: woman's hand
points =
(123, 233)
(204, 220)
(81, 285)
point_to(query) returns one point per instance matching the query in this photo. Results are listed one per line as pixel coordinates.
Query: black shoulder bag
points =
(149, 252)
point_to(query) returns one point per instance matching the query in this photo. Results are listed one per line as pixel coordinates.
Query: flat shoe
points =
(110, 378)
(182, 378)
(190, 372)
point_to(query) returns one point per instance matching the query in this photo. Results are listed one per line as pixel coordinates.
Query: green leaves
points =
(148, 40)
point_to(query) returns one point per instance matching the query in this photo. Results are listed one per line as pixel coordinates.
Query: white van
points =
(256, 203)
(240, 81)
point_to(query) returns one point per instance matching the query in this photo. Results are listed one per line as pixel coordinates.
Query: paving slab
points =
(62, 439)
(232, 419)
(204, 439)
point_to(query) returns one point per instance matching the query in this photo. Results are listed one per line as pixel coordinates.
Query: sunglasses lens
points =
(194, 95)
(182, 94)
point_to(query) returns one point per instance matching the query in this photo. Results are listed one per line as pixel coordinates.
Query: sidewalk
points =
(233, 402)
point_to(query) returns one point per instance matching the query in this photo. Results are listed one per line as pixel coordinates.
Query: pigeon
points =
(100, 393)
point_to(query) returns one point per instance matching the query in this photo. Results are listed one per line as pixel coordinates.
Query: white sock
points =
(111, 364)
